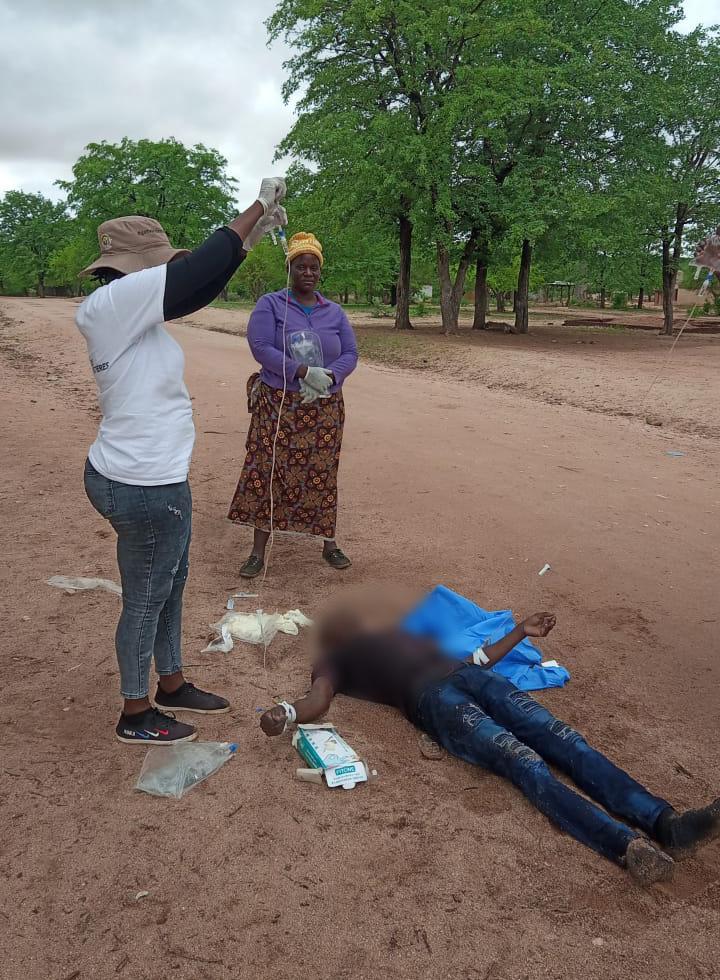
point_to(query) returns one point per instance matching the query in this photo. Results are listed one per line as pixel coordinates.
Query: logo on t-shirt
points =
(97, 368)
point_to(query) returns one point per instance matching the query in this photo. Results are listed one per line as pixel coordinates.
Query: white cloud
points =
(76, 72)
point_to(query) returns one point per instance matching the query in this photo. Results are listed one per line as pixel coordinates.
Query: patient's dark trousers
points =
(481, 717)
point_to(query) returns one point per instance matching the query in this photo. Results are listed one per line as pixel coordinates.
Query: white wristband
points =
(290, 713)
(480, 658)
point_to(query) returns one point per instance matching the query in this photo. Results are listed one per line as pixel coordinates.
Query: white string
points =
(669, 355)
(273, 465)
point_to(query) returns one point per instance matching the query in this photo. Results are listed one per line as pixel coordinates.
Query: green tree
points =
(671, 141)
(32, 228)
(185, 188)
(352, 125)
(360, 255)
(67, 261)
(263, 271)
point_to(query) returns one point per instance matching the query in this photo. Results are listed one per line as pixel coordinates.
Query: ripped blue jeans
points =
(481, 717)
(153, 526)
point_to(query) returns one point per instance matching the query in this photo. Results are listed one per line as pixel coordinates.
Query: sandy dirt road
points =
(436, 869)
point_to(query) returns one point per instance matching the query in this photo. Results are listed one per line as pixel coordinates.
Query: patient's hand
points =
(539, 624)
(273, 721)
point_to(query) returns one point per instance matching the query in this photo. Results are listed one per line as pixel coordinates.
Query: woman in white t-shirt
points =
(136, 474)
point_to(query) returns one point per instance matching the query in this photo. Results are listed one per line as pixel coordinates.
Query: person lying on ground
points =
(482, 718)
(136, 474)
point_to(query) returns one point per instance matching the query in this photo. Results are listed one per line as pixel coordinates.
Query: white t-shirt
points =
(146, 435)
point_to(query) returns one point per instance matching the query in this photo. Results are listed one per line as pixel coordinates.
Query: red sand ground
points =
(436, 870)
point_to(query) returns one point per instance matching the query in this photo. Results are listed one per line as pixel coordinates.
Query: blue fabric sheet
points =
(460, 627)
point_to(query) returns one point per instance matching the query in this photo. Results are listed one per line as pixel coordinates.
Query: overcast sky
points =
(76, 71)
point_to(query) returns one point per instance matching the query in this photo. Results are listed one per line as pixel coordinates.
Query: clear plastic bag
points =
(82, 584)
(172, 770)
(306, 348)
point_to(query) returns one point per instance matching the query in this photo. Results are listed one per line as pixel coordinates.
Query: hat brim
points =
(127, 262)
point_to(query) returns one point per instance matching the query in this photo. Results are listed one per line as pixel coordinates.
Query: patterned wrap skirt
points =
(306, 462)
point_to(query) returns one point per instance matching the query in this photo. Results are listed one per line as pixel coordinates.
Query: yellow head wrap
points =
(304, 243)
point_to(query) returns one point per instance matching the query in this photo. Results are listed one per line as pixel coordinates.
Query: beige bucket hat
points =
(132, 243)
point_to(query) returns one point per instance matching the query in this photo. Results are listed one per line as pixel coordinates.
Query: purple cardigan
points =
(328, 321)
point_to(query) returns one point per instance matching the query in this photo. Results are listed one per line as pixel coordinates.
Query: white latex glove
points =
(272, 191)
(309, 394)
(275, 218)
(319, 379)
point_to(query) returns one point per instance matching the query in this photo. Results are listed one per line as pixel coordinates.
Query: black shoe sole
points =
(151, 741)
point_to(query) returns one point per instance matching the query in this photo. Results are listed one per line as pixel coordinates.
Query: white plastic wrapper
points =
(258, 628)
(172, 770)
(83, 584)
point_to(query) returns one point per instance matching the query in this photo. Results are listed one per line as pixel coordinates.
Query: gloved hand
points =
(319, 379)
(309, 394)
(272, 191)
(275, 218)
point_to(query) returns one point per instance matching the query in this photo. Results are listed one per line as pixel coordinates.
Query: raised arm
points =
(313, 706)
(539, 624)
(195, 280)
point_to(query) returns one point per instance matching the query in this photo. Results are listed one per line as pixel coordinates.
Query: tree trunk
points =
(641, 297)
(346, 296)
(674, 256)
(522, 293)
(402, 309)
(451, 293)
(446, 290)
(602, 297)
(668, 286)
(224, 294)
(500, 301)
(481, 292)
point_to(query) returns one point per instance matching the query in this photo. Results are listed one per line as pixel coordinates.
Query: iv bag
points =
(306, 348)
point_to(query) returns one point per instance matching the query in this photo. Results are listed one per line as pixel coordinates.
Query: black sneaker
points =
(190, 698)
(152, 727)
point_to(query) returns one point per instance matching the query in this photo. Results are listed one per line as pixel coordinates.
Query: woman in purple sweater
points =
(309, 439)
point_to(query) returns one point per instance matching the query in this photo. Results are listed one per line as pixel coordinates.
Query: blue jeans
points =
(153, 527)
(482, 718)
